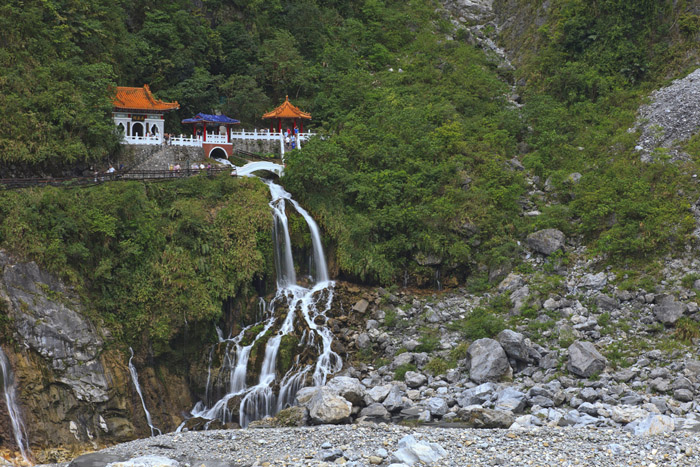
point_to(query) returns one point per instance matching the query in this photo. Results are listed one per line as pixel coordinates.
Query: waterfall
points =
(310, 305)
(135, 380)
(8, 385)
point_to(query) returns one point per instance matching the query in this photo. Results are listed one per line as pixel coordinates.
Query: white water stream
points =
(7, 378)
(135, 380)
(273, 391)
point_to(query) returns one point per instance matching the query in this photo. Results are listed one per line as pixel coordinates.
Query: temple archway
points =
(136, 129)
(154, 130)
(218, 153)
(121, 129)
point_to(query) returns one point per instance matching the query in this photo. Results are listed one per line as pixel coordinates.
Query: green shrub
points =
(478, 324)
(437, 366)
(401, 370)
(688, 280)
(687, 330)
(429, 341)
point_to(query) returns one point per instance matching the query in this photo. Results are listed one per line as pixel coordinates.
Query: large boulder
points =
(585, 360)
(414, 379)
(668, 310)
(477, 395)
(327, 407)
(412, 452)
(487, 361)
(348, 388)
(546, 241)
(476, 416)
(514, 345)
(654, 424)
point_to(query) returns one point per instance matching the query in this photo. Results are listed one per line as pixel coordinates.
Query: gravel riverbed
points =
(375, 444)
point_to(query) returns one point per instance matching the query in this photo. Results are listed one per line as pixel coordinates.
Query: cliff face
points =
(74, 386)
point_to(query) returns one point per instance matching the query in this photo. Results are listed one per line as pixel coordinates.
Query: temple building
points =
(139, 113)
(288, 112)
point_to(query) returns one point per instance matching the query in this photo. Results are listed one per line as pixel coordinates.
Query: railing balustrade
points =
(213, 138)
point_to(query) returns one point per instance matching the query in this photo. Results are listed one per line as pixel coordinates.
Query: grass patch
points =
(479, 324)
(401, 370)
(438, 366)
(687, 330)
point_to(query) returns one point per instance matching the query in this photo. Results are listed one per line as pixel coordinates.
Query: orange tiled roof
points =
(140, 99)
(287, 110)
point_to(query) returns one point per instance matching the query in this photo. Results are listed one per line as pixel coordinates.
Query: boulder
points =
(593, 281)
(654, 424)
(511, 282)
(510, 399)
(412, 452)
(328, 407)
(668, 310)
(377, 393)
(360, 306)
(375, 412)
(348, 388)
(514, 345)
(546, 241)
(476, 416)
(414, 379)
(437, 406)
(394, 400)
(585, 360)
(146, 461)
(477, 395)
(487, 361)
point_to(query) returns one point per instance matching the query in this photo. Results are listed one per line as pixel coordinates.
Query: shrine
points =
(218, 138)
(138, 114)
(287, 111)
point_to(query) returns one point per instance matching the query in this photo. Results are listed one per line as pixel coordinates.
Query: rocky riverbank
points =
(385, 444)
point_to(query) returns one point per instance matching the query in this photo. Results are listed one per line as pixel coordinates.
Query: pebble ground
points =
(364, 445)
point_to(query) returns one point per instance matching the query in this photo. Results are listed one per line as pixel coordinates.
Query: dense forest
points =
(421, 122)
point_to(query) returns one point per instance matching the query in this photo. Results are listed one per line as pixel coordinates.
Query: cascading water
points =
(135, 380)
(272, 393)
(7, 378)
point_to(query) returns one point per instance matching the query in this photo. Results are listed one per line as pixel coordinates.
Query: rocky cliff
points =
(74, 383)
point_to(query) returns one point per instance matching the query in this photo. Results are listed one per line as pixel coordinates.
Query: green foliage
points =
(478, 324)
(687, 330)
(401, 370)
(429, 340)
(438, 366)
(689, 279)
(151, 259)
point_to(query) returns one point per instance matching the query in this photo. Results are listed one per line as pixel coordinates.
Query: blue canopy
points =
(206, 118)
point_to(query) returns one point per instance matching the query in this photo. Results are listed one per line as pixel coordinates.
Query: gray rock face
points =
(348, 388)
(546, 241)
(670, 118)
(394, 400)
(514, 345)
(668, 310)
(487, 361)
(584, 359)
(46, 316)
(377, 394)
(327, 407)
(593, 281)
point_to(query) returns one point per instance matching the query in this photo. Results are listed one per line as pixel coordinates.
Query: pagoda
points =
(139, 113)
(287, 111)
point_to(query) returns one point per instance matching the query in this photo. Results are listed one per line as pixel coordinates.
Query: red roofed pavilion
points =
(287, 111)
(139, 113)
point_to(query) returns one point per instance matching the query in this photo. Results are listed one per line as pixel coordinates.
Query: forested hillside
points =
(412, 177)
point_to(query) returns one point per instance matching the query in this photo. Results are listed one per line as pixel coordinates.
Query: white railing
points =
(215, 138)
(152, 139)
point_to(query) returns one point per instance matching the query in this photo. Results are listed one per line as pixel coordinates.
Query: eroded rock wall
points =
(73, 380)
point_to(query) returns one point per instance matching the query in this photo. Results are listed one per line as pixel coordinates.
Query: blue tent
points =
(206, 118)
